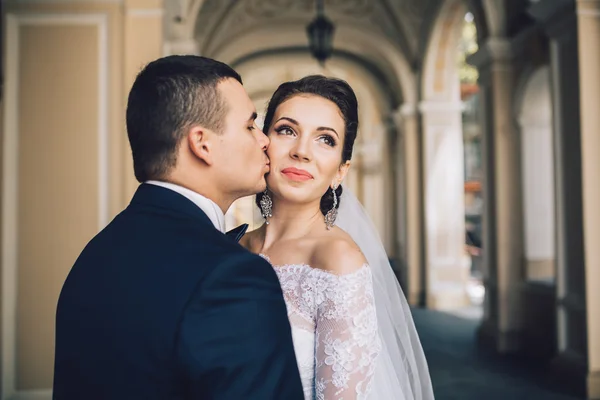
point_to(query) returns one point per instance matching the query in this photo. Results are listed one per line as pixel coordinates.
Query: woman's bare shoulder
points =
(337, 253)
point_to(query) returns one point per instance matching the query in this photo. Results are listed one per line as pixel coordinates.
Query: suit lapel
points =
(237, 233)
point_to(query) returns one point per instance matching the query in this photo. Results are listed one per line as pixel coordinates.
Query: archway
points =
(445, 109)
(235, 31)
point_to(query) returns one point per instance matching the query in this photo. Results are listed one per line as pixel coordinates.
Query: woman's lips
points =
(296, 174)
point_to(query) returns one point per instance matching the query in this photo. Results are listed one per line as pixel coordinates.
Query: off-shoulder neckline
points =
(284, 267)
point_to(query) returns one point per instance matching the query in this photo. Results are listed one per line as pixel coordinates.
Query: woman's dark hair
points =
(335, 90)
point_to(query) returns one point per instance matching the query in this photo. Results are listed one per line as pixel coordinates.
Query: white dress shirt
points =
(210, 208)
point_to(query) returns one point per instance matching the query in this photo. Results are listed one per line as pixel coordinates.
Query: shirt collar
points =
(210, 208)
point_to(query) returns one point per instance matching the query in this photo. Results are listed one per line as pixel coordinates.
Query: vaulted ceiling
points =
(402, 22)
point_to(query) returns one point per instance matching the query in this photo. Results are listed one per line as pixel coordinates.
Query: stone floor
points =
(460, 372)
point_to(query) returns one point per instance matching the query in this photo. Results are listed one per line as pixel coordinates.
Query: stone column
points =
(397, 199)
(443, 194)
(588, 20)
(503, 229)
(560, 24)
(406, 120)
(373, 182)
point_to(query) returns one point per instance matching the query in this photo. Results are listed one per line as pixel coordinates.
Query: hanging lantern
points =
(320, 35)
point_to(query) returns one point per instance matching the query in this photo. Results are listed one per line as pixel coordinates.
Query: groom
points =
(161, 304)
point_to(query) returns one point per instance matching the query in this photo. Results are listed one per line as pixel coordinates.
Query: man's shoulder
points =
(156, 221)
(233, 271)
(198, 248)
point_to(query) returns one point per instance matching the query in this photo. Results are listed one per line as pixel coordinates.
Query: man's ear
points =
(342, 171)
(200, 143)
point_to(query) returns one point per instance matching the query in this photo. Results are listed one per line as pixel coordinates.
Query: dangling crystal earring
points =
(266, 206)
(331, 215)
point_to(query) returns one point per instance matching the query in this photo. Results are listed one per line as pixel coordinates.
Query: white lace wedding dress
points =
(334, 329)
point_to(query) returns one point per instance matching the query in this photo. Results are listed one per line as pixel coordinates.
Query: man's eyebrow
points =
(253, 116)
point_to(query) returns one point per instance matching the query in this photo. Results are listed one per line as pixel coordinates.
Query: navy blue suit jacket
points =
(161, 305)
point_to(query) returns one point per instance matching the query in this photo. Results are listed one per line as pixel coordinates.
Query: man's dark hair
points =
(169, 96)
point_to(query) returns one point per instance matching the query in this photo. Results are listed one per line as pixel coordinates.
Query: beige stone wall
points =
(66, 169)
(57, 172)
(589, 59)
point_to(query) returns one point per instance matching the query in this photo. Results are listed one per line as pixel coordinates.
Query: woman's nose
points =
(301, 151)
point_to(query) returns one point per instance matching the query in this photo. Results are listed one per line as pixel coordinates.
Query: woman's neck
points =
(291, 221)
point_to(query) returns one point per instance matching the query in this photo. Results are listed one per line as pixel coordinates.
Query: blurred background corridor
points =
(478, 158)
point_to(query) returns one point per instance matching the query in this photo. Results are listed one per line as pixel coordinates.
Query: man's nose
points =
(263, 140)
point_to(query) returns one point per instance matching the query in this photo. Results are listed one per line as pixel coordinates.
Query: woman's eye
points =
(285, 130)
(328, 140)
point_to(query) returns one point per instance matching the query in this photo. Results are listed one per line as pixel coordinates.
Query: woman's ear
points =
(342, 171)
(199, 141)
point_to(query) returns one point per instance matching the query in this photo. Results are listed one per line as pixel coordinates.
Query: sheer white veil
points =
(402, 372)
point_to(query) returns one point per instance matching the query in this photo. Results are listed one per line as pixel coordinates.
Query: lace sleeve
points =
(347, 342)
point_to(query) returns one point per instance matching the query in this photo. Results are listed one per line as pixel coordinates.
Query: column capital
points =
(496, 55)
(404, 112)
(369, 153)
(493, 50)
(437, 107)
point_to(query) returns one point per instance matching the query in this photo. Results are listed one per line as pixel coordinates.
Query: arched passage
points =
(242, 29)
(446, 266)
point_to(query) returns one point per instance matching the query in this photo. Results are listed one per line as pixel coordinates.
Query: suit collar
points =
(210, 208)
(157, 196)
(160, 197)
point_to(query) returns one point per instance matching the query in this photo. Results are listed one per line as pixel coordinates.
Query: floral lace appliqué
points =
(334, 326)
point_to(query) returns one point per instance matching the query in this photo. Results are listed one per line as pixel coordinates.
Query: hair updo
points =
(335, 90)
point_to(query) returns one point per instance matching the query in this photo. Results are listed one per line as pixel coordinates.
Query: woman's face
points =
(307, 136)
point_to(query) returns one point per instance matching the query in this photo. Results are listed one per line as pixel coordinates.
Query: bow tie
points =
(237, 233)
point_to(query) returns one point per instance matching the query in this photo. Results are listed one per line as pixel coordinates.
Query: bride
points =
(353, 334)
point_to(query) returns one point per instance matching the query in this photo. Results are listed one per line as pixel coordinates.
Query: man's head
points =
(190, 122)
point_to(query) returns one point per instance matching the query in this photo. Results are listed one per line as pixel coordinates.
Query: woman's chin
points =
(296, 194)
